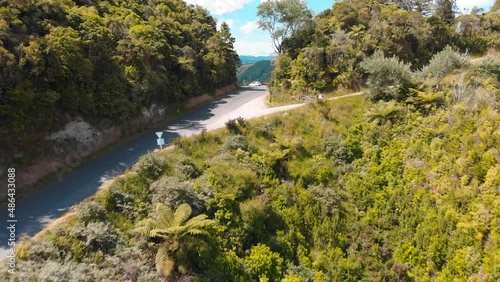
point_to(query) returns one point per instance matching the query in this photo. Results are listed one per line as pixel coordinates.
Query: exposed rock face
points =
(78, 139)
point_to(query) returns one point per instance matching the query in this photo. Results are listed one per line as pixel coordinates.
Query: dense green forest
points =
(399, 184)
(347, 190)
(324, 53)
(260, 71)
(102, 59)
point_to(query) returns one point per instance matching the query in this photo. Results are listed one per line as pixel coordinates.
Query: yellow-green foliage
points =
(320, 193)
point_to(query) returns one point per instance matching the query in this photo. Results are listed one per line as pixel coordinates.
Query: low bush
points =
(151, 166)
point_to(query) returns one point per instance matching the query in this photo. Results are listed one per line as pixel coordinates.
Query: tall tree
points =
(282, 19)
(445, 10)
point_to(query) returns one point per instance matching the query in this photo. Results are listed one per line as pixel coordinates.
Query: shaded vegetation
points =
(402, 185)
(102, 59)
(345, 190)
(260, 71)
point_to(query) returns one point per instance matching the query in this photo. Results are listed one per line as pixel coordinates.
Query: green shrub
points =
(264, 263)
(335, 148)
(91, 211)
(444, 63)
(232, 126)
(151, 166)
(96, 236)
(187, 169)
(388, 78)
(234, 142)
(173, 192)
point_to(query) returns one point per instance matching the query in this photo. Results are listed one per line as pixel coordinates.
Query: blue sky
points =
(241, 17)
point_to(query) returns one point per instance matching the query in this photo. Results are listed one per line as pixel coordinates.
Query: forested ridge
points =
(399, 184)
(102, 59)
(260, 71)
(324, 52)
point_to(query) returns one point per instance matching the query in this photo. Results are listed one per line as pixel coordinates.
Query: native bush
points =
(173, 192)
(388, 78)
(262, 263)
(96, 236)
(151, 166)
(234, 142)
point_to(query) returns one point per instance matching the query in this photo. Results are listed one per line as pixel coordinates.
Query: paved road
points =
(38, 209)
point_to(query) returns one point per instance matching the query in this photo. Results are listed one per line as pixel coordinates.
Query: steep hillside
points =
(67, 61)
(347, 190)
(326, 52)
(260, 71)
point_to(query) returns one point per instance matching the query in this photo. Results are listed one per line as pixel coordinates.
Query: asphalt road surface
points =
(41, 207)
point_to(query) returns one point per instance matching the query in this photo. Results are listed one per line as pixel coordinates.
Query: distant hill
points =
(260, 71)
(255, 59)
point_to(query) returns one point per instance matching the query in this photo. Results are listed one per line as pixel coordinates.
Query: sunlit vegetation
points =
(401, 184)
(102, 59)
(324, 53)
(260, 71)
(344, 190)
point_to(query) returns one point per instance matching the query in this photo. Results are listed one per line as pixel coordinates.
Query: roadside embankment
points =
(80, 139)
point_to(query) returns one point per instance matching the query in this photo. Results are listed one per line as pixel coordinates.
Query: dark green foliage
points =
(96, 236)
(236, 126)
(102, 59)
(128, 195)
(260, 71)
(445, 10)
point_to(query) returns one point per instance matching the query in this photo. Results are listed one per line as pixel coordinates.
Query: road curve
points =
(48, 203)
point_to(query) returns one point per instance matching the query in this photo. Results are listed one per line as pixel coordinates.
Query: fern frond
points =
(181, 214)
(165, 215)
(164, 262)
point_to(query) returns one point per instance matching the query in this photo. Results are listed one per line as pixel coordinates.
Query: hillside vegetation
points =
(324, 53)
(101, 59)
(254, 59)
(260, 71)
(401, 184)
(347, 190)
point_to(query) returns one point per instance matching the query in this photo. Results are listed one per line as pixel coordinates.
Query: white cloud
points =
(220, 7)
(467, 4)
(248, 27)
(230, 22)
(259, 48)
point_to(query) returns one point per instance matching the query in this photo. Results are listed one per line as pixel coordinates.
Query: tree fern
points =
(180, 236)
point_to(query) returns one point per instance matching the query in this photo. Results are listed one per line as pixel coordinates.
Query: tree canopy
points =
(102, 59)
(283, 19)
